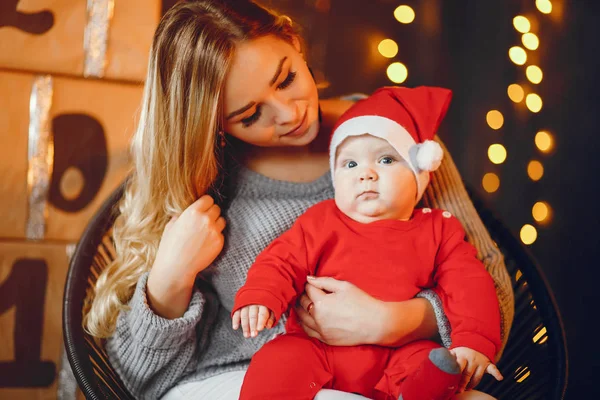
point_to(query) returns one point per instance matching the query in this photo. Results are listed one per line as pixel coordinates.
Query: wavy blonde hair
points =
(174, 149)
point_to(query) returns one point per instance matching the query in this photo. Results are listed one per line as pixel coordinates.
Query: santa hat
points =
(407, 118)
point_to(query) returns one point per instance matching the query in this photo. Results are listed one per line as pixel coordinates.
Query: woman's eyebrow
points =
(271, 83)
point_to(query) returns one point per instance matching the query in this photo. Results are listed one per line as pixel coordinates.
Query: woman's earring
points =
(222, 141)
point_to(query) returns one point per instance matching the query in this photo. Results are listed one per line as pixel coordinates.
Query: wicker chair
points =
(534, 363)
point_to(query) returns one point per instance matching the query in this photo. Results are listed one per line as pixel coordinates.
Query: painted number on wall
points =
(25, 288)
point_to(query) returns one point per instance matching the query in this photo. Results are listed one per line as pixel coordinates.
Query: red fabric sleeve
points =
(278, 275)
(467, 292)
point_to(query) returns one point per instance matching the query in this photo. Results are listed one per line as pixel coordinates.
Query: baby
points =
(381, 155)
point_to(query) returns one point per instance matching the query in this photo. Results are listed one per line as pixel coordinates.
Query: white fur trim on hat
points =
(422, 158)
(428, 156)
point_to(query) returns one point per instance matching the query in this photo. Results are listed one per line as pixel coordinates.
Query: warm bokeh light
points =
(490, 182)
(545, 6)
(534, 102)
(534, 74)
(535, 170)
(518, 275)
(544, 141)
(497, 153)
(528, 234)
(522, 373)
(541, 337)
(404, 14)
(530, 41)
(388, 48)
(397, 72)
(516, 93)
(495, 119)
(517, 55)
(521, 24)
(540, 211)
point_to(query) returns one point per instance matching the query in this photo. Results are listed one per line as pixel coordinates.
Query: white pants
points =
(227, 386)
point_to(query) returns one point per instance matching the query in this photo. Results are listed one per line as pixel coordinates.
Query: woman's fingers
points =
(214, 212)
(312, 333)
(203, 203)
(245, 322)
(494, 371)
(305, 301)
(306, 319)
(220, 224)
(327, 284)
(263, 316)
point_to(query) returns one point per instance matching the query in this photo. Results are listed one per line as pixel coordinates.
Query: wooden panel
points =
(91, 123)
(52, 32)
(32, 278)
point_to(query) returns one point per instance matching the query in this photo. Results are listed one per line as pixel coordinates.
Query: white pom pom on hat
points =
(408, 118)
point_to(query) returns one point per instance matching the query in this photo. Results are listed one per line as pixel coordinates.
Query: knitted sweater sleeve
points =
(151, 353)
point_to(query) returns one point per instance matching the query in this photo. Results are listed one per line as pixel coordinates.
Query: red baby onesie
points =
(389, 259)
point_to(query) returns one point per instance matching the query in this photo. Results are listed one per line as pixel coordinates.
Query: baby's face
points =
(372, 182)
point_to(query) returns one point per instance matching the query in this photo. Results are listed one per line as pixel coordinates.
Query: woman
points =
(214, 68)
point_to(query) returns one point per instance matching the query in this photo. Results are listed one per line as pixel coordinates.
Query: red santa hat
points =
(407, 118)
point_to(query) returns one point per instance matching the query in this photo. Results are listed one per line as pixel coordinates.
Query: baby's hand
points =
(253, 319)
(473, 365)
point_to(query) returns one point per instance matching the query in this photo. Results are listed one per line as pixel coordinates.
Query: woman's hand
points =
(341, 315)
(189, 244)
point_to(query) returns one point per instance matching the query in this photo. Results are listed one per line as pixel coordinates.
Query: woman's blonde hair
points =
(175, 151)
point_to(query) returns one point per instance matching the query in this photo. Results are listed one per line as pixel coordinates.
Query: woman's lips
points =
(300, 128)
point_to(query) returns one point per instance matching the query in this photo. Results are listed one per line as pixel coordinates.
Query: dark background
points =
(463, 45)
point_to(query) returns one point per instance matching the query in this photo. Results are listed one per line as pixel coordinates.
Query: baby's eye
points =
(351, 164)
(386, 160)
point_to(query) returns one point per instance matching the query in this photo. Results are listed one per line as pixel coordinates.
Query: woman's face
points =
(270, 96)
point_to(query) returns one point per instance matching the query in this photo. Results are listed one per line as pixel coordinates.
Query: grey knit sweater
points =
(152, 354)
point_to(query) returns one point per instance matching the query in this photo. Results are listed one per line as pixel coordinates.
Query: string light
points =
(540, 337)
(495, 119)
(534, 74)
(530, 41)
(534, 102)
(497, 153)
(521, 24)
(544, 6)
(517, 55)
(540, 211)
(544, 141)
(516, 93)
(397, 72)
(404, 14)
(535, 170)
(528, 234)
(388, 48)
(490, 182)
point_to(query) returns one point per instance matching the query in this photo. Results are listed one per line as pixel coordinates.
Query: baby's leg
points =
(421, 370)
(288, 367)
